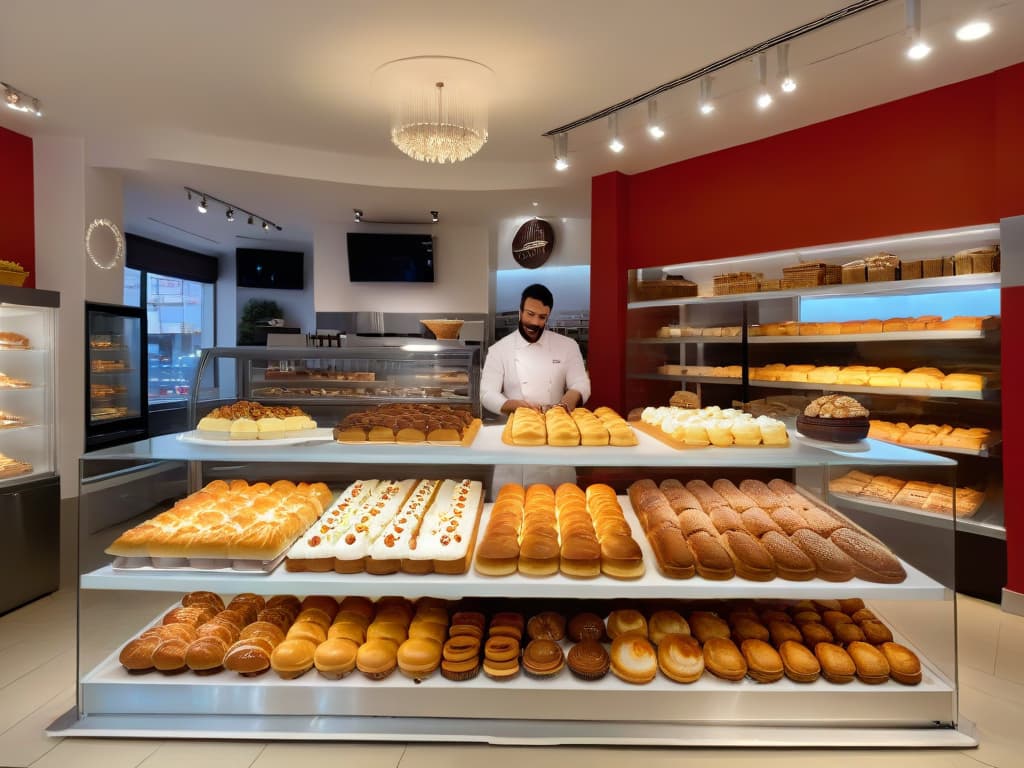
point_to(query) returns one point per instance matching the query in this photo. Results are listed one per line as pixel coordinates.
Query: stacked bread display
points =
(916, 494)
(873, 376)
(223, 523)
(386, 526)
(930, 435)
(246, 420)
(538, 531)
(711, 426)
(557, 427)
(408, 423)
(834, 640)
(756, 531)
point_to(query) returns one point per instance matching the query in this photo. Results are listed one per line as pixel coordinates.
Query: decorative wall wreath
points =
(111, 261)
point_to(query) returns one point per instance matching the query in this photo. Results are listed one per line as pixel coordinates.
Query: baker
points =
(534, 368)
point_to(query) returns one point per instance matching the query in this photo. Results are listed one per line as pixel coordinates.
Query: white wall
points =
(60, 266)
(461, 273)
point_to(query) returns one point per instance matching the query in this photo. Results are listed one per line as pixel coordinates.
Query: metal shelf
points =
(980, 523)
(917, 336)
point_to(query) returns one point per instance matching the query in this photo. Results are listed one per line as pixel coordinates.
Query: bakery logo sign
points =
(533, 243)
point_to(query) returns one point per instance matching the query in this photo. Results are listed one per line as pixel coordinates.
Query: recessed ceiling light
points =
(973, 30)
(535, 203)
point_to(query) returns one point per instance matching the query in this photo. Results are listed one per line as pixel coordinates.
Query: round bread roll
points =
(588, 659)
(377, 658)
(680, 658)
(625, 622)
(663, 623)
(293, 658)
(633, 658)
(419, 657)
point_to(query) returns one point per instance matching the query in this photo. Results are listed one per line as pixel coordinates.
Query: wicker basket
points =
(962, 264)
(771, 285)
(933, 267)
(911, 270)
(10, 277)
(883, 274)
(811, 274)
(652, 290)
(737, 282)
(444, 329)
(857, 274)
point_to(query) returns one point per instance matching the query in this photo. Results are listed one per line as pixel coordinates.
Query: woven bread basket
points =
(444, 329)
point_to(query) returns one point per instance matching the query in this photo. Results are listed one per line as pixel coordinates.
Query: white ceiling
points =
(272, 105)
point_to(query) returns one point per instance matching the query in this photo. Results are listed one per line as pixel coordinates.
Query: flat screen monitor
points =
(257, 268)
(383, 258)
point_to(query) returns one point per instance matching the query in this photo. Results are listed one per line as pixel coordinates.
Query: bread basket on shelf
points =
(443, 329)
(12, 273)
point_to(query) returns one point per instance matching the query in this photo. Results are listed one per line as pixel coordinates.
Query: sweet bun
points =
(586, 626)
(249, 657)
(206, 654)
(626, 622)
(764, 664)
(680, 658)
(705, 625)
(904, 666)
(872, 666)
(377, 658)
(746, 628)
(664, 623)
(723, 659)
(335, 658)
(815, 633)
(800, 665)
(784, 631)
(137, 655)
(875, 632)
(546, 626)
(588, 660)
(543, 658)
(633, 658)
(418, 658)
(293, 658)
(836, 664)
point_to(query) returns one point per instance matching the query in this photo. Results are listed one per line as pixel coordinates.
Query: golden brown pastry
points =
(800, 664)
(680, 658)
(764, 664)
(633, 659)
(723, 659)
(836, 664)
(904, 666)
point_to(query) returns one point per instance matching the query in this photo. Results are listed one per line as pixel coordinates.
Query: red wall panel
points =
(1012, 309)
(18, 239)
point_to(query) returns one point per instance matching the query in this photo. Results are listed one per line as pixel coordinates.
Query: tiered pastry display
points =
(915, 494)
(385, 526)
(873, 376)
(702, 427)
(931, 435)
(310, 373)
(9, 382)
(12, 340)
(103, 366)
(755, 531)
(9, 420)
(874, 325)
(224, 525)
(103, 413)
(409, 423)
(558, 427)
(13, 467)
(538, 531)
(835, 418)
(245, 420)
(837, 641)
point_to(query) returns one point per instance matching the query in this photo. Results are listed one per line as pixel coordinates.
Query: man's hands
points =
(510, 405)
(569, 400)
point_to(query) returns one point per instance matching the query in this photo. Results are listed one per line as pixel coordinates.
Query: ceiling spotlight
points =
(230, 214)
(613, 126)
(250, 220)
(434, 217)
(653, 126)
(973, 30)
(21, 101)
(764, 98)
(189, 193)
(202, 207)
(918, 48)
(357, 215)
(787, 83)
(707, 106)
(266, 226)
(278, 227)
(561, 145)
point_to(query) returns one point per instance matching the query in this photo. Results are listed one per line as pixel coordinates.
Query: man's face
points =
(532, 319)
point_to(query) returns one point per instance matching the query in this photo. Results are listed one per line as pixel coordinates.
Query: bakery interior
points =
(727, 199)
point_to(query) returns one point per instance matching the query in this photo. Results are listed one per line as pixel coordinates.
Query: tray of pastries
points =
(12, 340)
(936, 436)
(409, 423)
(815, 642)
(224, 525)
(103, 366)
(916, 495)
(105, 413)
(558, 427)
(13, 467)
(540, 531)
(875, 325)
(10, 382)
(316, 373)
(835, 419)
(874, 376)
(756, 531)
(387, 526)
(688, 428)
(246, 422)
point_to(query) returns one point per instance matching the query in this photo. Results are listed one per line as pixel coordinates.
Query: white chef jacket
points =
(540, 373)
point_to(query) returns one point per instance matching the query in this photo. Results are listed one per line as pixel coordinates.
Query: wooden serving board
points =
(658, 434)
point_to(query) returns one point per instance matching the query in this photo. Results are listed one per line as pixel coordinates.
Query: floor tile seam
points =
(55, 743)
(401, 757)
(993, 696)
(38, 666)
(259, 754)
(160, 745)
(34, 711)
(965, 753)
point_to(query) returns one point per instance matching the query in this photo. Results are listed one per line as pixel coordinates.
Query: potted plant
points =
(256, 312)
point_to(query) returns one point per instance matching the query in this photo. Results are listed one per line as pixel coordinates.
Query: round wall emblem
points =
(533, 243)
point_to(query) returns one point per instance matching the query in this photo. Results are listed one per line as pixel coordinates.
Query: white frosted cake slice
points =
(446, 532)
(395, 540)
(351, 549)
(298, 426)
(315, 550)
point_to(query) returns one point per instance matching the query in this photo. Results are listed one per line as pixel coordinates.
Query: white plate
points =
(319, 435)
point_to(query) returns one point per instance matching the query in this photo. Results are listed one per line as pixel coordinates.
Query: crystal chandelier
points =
(439, 125)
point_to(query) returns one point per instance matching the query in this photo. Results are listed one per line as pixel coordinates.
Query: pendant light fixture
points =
(707, 105)
(614, 144)
(918, 47)
(764, 97)
(653, 126)
(786, 81)
(561, 146)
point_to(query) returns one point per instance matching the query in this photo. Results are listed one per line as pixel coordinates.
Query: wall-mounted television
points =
(383, 258)
(258, 268)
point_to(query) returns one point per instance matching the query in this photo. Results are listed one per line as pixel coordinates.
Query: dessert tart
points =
(834, 419)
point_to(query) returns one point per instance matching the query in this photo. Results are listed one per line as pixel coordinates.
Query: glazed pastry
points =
(872, 666)
(801, 666)
(680, 658)
(588, 660)
(586, 626)
(904, 666)
(543, 658)
(836, 664)
(723, 659)
(625, 622)
(764, 664)
(335, 658)
(418, 658)
(293, 658)
(633, 659)
(663, 623)
(377, 658)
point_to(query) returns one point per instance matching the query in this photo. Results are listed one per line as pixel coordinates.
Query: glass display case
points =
(29, 486)
(329, 382)
(918, 606)
(115, 374)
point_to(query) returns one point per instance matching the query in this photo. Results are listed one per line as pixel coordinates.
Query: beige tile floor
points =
(37, 671)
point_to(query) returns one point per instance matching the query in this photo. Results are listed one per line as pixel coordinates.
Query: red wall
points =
(949, 157)
(17, 238)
